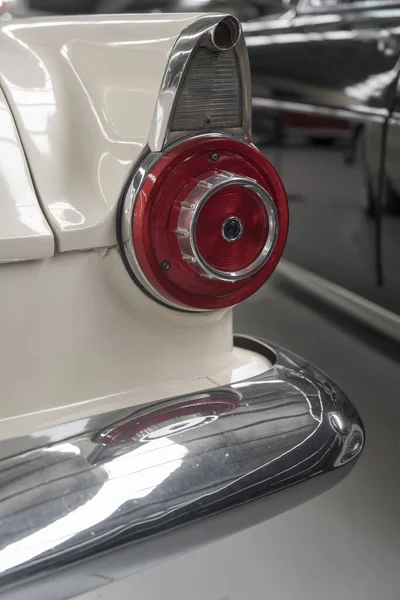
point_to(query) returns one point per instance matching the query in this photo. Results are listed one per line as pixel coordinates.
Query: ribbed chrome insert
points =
(211, 96)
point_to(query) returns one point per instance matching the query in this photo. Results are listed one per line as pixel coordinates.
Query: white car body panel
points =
(24, 232)
(81, 337)
(83, 92)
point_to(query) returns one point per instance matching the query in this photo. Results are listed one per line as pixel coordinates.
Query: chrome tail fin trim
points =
(200, 34)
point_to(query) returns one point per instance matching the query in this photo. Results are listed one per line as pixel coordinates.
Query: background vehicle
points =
(328, 73)
(243, 10)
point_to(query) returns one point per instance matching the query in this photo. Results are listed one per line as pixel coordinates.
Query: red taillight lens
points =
(205, 224)
(232, 229)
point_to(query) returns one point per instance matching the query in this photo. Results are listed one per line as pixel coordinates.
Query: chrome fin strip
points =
(191, 38)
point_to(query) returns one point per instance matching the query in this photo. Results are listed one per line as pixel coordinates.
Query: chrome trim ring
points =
(190, 212)
(124, 233)
(125, 216)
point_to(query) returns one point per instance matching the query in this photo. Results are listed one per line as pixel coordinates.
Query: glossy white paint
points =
(24, 232)
(243, 364)
(80, 337)
(83, 91)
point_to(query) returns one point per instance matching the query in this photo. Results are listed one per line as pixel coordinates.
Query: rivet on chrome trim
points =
(340, 424)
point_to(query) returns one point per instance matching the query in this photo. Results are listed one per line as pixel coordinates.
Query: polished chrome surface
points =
(340, 423)
(124, 230)
(189, 214)
(199, 33)
(233, 27)
(170, 463)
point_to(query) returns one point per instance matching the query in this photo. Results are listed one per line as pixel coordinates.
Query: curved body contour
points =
(80, 95)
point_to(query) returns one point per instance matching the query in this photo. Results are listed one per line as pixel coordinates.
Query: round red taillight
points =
(204, 225)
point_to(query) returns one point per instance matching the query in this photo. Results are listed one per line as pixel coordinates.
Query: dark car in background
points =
(242, 9)
(326, 98)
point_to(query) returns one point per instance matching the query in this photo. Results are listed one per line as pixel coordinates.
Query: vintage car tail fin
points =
(204, 219)
(206, 86)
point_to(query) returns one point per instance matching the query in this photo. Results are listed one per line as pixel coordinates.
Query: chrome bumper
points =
(128, 475)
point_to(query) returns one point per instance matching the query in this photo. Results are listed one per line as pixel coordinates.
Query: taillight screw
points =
(165, 265)
(207, 121)
(216, 57)
(214, 157)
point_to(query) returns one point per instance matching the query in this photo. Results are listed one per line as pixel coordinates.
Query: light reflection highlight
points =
(154, 463)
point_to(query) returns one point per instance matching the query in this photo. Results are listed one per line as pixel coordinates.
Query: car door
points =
(323, 76)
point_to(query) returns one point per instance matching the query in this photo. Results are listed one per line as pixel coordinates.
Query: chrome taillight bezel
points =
(153, 261)
(133, 256)
(195, 202)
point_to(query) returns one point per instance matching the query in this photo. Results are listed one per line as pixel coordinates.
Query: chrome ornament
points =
(200, 33)
(189, 214)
